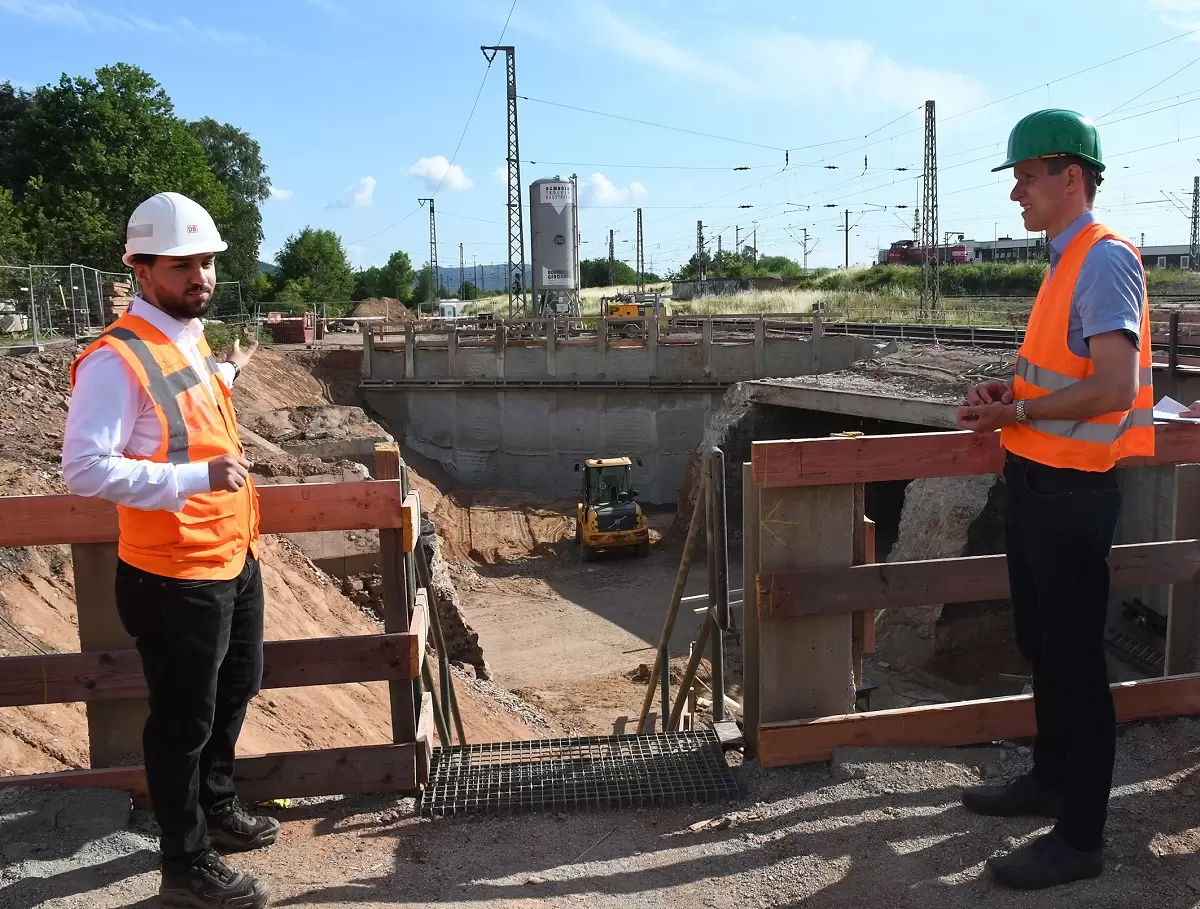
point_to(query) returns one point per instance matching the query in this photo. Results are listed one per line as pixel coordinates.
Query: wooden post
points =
(760, 347)
(410, 351)
(750, 654)
(869, 615)
(1183, 613)
(805, 661)
(451, 349)
(551, 336)
(114, 727)
(706, 333)
(858, 619)
(396, 614)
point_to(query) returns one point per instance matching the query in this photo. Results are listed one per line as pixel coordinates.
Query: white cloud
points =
(437, 170)
(281, 194)
(789, 66)
(792, 66)
(356, 195)
(69, 14)
(599, 191)
(500, 174)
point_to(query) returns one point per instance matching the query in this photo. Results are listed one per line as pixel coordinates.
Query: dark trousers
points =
(201, 647)
(1059, 529)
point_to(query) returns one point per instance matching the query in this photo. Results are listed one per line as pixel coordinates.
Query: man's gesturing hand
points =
(228, 473)
(990, 392)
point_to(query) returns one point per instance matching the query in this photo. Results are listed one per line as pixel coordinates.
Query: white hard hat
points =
(170, 224)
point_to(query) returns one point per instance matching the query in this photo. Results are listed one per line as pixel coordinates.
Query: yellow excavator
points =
(608, 515)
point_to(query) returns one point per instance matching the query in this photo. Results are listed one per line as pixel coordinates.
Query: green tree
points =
(15, 248)
(594, 273)
(79, 156)
(261, 289)
(235, 159)
(393, 280)
(318, 256)
(368, 283)
(468, 291)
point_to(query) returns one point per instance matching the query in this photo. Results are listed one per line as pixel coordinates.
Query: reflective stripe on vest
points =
(164, 389)
(1046, 365)
(209, 538)
(1056, 381)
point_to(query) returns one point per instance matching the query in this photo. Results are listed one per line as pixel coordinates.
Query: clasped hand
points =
(989, 406)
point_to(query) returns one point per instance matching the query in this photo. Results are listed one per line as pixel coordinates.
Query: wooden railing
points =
(107, 674)
(813, 588)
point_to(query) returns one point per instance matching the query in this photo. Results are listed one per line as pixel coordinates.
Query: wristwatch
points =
(237, 370)
(1021, 417)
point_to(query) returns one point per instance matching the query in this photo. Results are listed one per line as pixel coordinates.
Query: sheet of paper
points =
(1168, 410)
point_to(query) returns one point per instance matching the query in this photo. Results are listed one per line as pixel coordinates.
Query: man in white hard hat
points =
(151, 428)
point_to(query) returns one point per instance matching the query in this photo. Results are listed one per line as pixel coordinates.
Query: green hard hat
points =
(1048, 133)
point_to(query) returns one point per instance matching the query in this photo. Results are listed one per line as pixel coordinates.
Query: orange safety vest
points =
(209, 539)
(1045, 364)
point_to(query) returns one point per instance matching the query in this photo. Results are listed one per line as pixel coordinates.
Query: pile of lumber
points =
(117, 296)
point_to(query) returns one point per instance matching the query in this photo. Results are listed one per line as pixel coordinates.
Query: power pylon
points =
(930, 285)
(701, 271)
(641, 256)
(433, 266)
(462, 274)
(1195, 249)
(516, 223)
(612, 262)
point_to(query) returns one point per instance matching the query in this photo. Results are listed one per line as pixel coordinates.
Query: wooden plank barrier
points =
(286, 508)
(108, 675)
(62, 678)
(959, 723)
(285, 774)
(796, 601)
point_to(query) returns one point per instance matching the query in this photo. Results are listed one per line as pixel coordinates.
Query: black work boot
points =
(1046, 862)
(1024, 796)
(211, 884)
(233, 829)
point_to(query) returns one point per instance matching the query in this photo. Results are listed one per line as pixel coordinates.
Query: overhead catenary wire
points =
(470, 116)
(1150, 89)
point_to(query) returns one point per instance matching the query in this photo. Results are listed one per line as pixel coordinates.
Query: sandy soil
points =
(37, 607)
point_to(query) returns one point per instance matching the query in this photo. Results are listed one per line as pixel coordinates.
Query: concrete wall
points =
(530, 439)
(696, 357)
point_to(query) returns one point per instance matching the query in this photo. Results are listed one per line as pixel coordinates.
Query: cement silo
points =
(554, 247)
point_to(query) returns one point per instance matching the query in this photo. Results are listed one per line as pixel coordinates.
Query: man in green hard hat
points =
(1080, 401)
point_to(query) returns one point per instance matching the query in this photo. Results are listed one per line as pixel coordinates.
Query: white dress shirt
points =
(112, 416)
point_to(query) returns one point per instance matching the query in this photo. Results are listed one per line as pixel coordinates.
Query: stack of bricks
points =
(117, 296)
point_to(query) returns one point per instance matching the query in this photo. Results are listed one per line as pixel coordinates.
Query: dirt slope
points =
(37, 607)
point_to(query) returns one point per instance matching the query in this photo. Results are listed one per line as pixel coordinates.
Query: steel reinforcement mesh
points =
(586, 773)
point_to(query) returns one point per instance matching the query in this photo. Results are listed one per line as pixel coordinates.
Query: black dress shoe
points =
(211, 884)
(1046, 862)
(236, 830)
(1023, 797)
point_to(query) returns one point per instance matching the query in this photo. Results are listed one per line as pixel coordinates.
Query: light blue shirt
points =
(1110, 290)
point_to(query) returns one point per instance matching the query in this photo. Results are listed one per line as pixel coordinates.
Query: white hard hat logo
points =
(171, 224)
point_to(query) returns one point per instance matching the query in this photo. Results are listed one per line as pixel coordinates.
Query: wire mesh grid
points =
(586, 773)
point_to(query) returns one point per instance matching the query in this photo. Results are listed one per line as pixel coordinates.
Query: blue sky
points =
(359, 104)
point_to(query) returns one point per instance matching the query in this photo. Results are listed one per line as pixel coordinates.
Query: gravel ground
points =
(875, 828)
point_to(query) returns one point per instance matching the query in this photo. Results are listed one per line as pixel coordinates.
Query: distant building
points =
(1167, 256)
